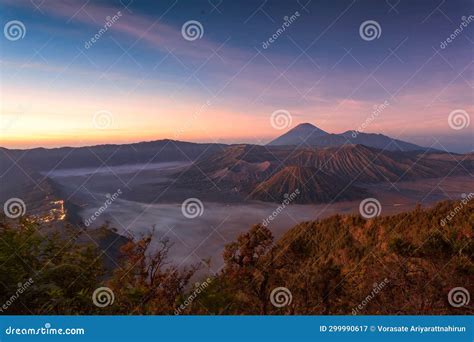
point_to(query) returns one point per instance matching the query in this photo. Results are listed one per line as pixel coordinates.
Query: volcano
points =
(308, 135)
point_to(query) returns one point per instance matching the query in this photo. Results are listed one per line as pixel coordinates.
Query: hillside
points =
(267, 173)
(308, 135)
(44, 159)
(309, 183)
(25, 173)
(332, 266)
(302, 134)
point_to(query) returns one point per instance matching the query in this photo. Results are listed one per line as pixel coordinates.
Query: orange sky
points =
(143, 81)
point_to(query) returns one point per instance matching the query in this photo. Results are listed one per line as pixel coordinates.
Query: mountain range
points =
(307, 134)
(324, 167)
(270, 173)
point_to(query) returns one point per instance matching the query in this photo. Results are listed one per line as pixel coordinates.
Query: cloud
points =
(143, 29)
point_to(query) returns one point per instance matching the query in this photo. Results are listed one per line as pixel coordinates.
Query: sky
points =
(235, 76)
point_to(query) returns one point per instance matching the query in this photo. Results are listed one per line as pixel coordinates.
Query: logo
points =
(102, 297)
(370, 30)
(14, 30)
(458, 296)
(370, 208)
(458, 119)
(102, 119)
(281, 119)
(192, 30)
(14, 208)
(192, 208)
(280, 297)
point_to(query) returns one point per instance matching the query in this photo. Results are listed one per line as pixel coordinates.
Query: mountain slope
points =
(309, 184)
(391, 264)
(43, 159)
(267, 173)
(365, 164)
(299, 135)
(309, 135)
(380, 141)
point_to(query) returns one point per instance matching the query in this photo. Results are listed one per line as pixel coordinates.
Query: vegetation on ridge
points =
(329, 266)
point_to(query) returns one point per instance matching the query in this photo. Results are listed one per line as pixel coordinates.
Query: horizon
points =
(260, 143)
(263, 141)
(146, 79)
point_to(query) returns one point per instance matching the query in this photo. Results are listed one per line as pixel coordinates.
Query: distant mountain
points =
(321, 175)
(380, 141)
(23, 172)
(308, 183)
(309, 135)
(370, 165)
(299, 135)
(243, 172)
(45, 159)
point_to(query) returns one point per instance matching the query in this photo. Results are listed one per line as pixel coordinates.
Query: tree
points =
(44, 273)
(145, 283)
(249, 265)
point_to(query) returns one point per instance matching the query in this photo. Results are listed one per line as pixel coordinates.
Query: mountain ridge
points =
(241, 172)
(267, 173)
(307, 134)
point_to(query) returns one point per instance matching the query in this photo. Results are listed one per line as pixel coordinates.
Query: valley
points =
(139, 188)
(135, 213)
